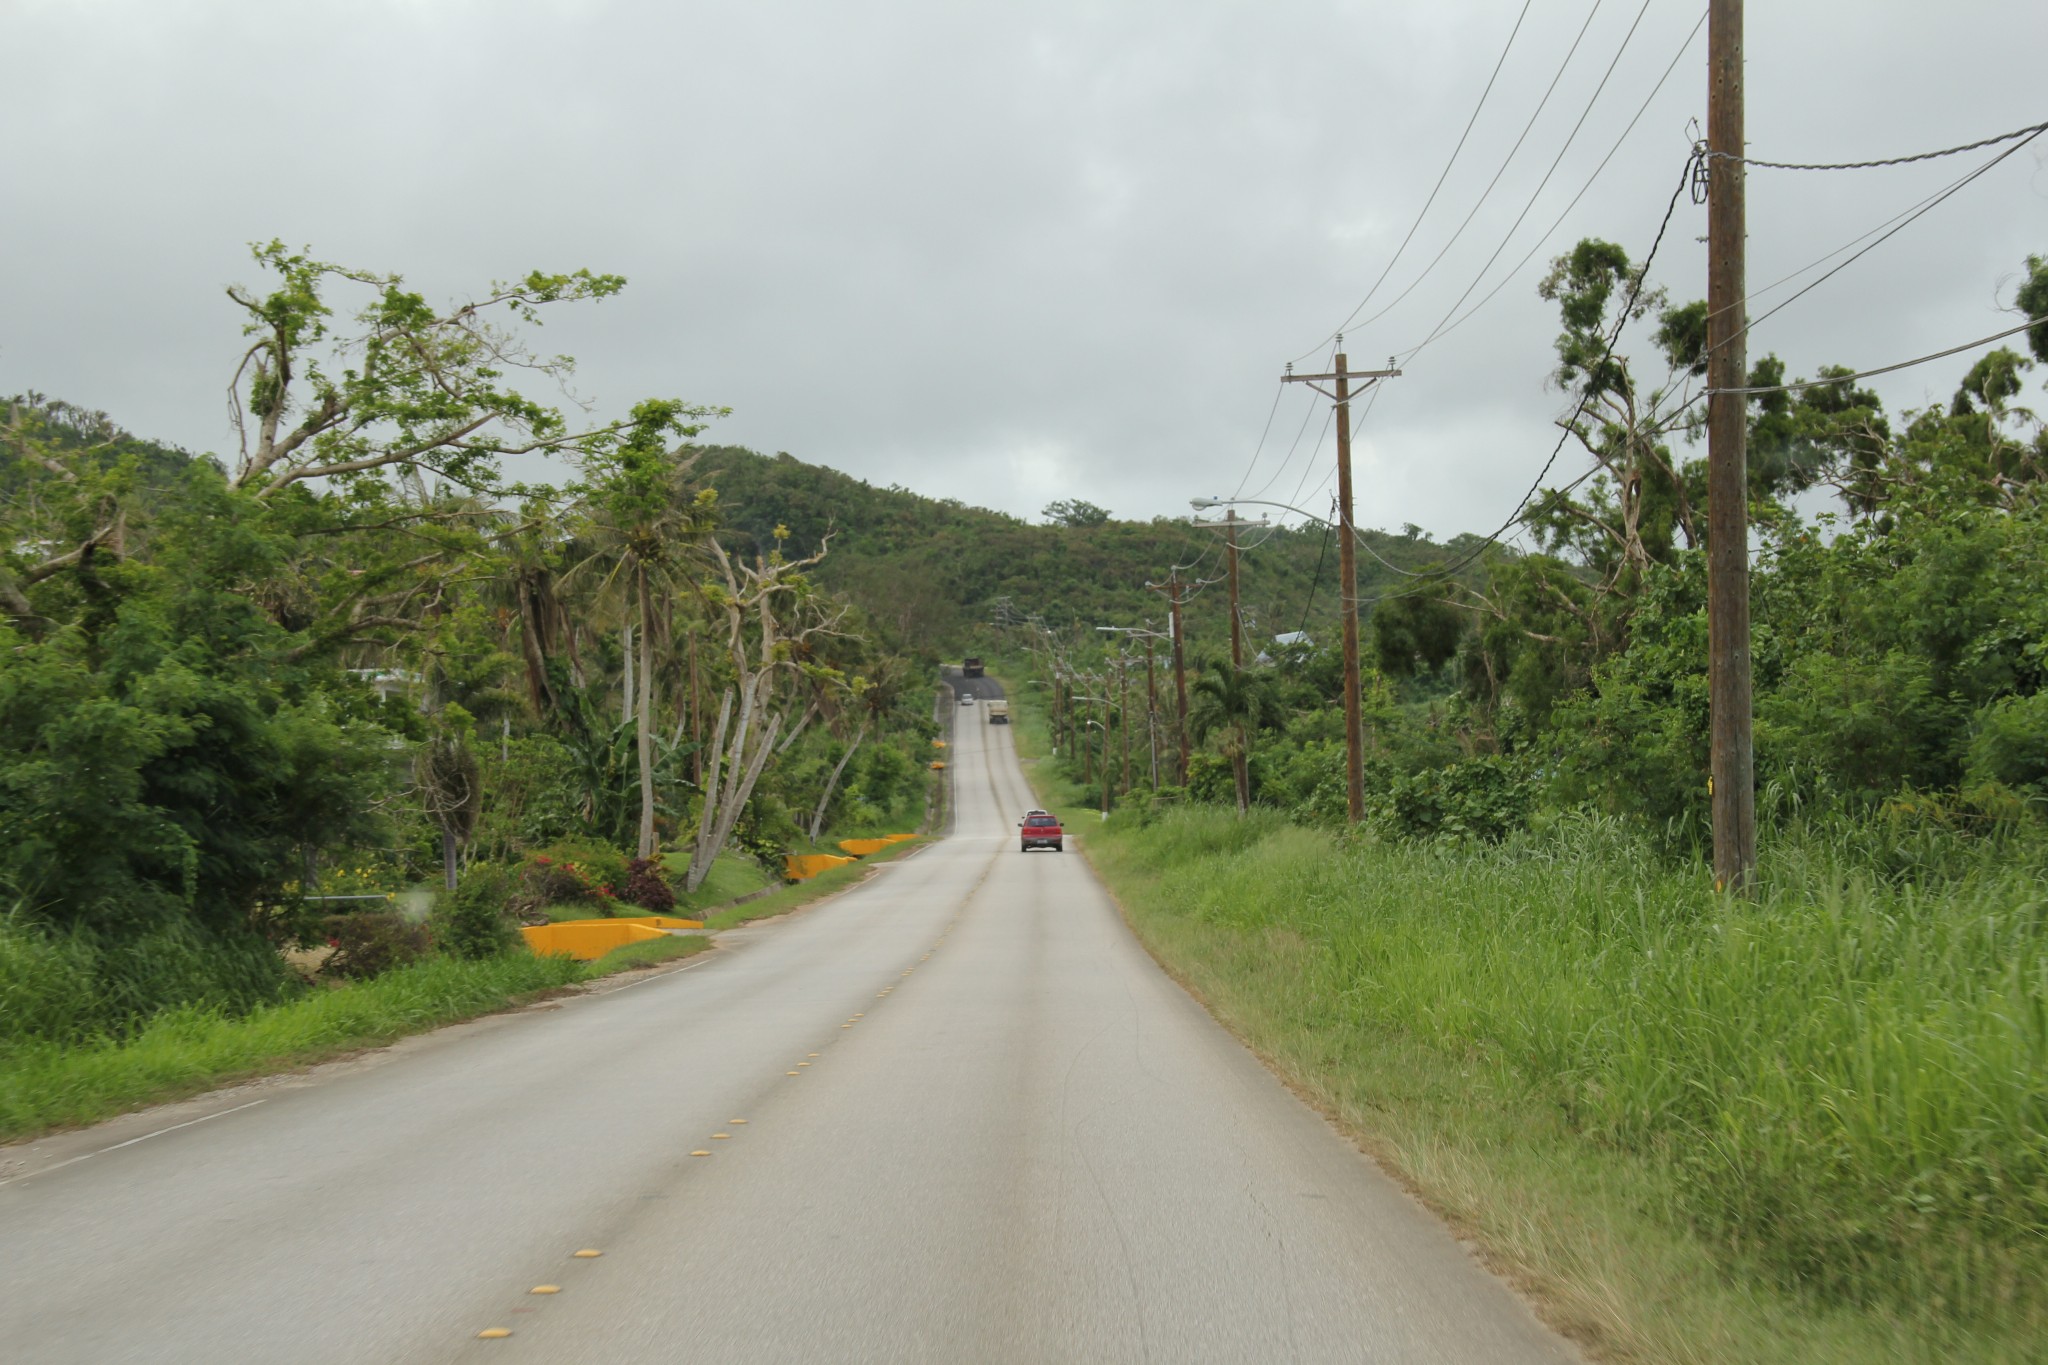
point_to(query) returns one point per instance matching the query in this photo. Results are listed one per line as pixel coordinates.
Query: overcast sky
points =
(1000, 252)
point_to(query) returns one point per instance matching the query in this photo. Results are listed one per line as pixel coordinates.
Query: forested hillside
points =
(931, 570)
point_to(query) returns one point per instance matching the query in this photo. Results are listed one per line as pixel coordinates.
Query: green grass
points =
(1809, 1128)
(188, 1050)
(733, 874)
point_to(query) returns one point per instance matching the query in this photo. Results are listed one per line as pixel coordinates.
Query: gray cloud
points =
(996, 252)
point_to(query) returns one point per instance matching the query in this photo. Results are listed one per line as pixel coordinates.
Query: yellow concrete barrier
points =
(649, 921)
(861, 848)
(800, 867)
(896, 838)
(586, 939)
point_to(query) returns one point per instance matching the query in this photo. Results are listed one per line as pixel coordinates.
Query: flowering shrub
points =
(568, 874)
(646, 888)
(550, 881)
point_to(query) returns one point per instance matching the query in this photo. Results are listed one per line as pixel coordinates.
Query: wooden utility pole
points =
(1236, 624)
(1105, 760)
(1087, 754)
(1347, 568)
(1123, 726)
(1230, 525)
(1171, 587)
(1151, 708)
(1731, 784)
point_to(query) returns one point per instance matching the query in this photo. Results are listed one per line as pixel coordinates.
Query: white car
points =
(967, 701)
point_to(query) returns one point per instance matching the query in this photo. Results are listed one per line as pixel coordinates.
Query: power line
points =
(1315, 582)
(1570, 423)
(1506, 279)
(1888, 161)
(1925, 207)
(1484, 194)
(1307, 415)
(1261, 446)
(1554, 164)
(1329, 415)
(1803, 384)
(1462, 137)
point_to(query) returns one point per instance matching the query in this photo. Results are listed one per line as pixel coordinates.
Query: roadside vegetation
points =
(1803, 1124)
(346, 704)
(193, 1047)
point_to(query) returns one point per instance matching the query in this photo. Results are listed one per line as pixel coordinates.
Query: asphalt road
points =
(954, 1115)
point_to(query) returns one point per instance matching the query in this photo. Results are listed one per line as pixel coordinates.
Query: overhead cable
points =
(1547, 233)
(1888, 161)
(1484, 194)
(1316, 581)
(1537, 193)
(1803, 384)
(1927, 206)
(1570, 424)
(1438, 187)
(1261, 446)
(1307, 415)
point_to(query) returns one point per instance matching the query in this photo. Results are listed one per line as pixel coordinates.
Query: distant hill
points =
(67, 427)
(930, 571)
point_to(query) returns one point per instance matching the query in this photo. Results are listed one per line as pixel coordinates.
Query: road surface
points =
(954, 1115)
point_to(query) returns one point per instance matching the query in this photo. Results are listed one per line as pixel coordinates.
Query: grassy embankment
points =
(185, 1051)
(178, 1052)
(1809, 1128)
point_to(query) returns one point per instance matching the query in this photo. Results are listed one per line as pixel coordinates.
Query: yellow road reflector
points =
(846, 1026)
(721, 1135)
(792, 1073)
(701, 1152)
(587, 1253)
(489, 1333)
(810, 1054)
(545, 1289)
(803, 1063)
(735, 1120)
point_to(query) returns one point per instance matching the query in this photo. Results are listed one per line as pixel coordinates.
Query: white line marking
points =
(132, 1141)
(677, 971)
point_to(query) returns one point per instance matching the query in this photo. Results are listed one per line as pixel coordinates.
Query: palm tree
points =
(643, 526)
(1236, 703)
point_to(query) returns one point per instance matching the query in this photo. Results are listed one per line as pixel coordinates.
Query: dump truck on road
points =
(970, 668)
(998, 712)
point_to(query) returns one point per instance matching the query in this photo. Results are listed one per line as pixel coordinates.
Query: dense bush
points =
(368, 943)
(474, 921)
(646, 888)
(1486, 798)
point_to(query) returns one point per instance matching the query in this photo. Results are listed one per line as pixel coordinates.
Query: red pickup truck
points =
(1041, 830)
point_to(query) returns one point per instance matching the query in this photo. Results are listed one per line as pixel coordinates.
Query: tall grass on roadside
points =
(45, 1084)
(71, 985)
(1847, 1079)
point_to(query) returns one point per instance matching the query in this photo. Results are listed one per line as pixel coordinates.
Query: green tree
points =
(1233, 704)
(1077, 512)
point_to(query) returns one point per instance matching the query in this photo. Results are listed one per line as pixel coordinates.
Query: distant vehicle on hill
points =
(970, 668)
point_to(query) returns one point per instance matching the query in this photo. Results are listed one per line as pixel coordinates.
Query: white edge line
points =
(677, 971)
(223, 1113)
